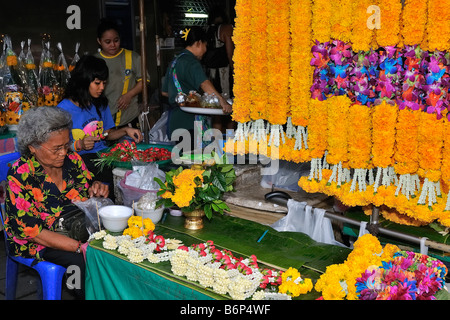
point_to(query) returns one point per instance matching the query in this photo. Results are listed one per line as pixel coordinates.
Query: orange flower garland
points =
(341, 19)
(301, 70)
(258, 60)
(241, 59)
(317, 128)
(438, 28)
(338, 107)
(360, 136)
(278, 45)
(388, 34)
(383, 121)
(383, 141)
(361, 36)
(320, 23)
(414, 20)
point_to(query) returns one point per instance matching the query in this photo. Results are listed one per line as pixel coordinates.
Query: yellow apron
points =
(126, 82)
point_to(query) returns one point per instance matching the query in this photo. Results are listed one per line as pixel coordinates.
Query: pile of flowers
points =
(408, 276)
(372, 272)
(127, 151)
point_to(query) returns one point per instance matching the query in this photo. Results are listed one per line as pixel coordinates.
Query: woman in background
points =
(186, 73)
(124, 82)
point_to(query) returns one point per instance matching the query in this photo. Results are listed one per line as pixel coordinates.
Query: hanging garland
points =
(388, 34)
(438, 28)
(414, 20)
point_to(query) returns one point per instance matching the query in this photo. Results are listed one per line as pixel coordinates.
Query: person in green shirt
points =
(191, 77)
(124, 82)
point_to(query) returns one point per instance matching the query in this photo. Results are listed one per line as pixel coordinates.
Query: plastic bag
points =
(285, 176)
(62, 73)
(76, 57)
(158, 133)
(48, 91)
(30, 67)
(310, 221)
(90, 207)
(139, 181)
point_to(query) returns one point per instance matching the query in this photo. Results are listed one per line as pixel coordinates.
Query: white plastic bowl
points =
(154, 215)
(115, 217)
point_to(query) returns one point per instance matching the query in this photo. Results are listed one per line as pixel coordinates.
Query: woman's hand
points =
(98, 189)
(88, 142)
(135, 134)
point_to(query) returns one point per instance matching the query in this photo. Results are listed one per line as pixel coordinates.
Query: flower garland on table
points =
(438, 29)
(241, 59)
(388, 34)
(407, 276)
(414, 20)
(338, 281)
(239, 278)
(137, 227)
(361, 36)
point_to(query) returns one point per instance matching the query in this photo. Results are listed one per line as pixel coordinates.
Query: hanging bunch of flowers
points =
(414, 20)
(388, 34)
(438, 29)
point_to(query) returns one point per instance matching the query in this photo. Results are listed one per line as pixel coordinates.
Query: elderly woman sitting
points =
(41, 186)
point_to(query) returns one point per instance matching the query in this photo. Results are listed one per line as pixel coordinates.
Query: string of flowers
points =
(414, 20)
(438, 29)
(406, 156)
(259, 60)
(341, 21)
(445, 168)
(388, 34)
(430, 140)
(361, 37)
(301, 72)
(383, 137)
(320, 23)
(241, 59)
(359, 144)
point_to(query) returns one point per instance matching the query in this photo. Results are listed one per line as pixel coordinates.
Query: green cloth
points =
(109, 275)
(111, 278)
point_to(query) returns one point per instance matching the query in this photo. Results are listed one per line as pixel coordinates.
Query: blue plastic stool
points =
(51, 274)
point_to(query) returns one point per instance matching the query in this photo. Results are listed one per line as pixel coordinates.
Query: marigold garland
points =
(360, 136)
(361, 36)
(414, 20)
(337, 125)
(438, 28)
(388, 34)
(301, 70)
(383, 134)
(317, 128)
(320, 23)
(406, 157)
(241, 59)
(258, 60)
(341, 20)
(278, 44)
(430, 141)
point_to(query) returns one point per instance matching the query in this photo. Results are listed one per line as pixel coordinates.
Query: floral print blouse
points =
(33, 202)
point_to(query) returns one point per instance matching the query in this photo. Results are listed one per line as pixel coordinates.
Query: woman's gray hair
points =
(36, 125)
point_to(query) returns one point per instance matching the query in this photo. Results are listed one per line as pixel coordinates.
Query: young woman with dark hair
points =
(92, 120)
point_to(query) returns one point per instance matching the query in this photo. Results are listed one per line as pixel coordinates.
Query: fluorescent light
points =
(195, 15)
